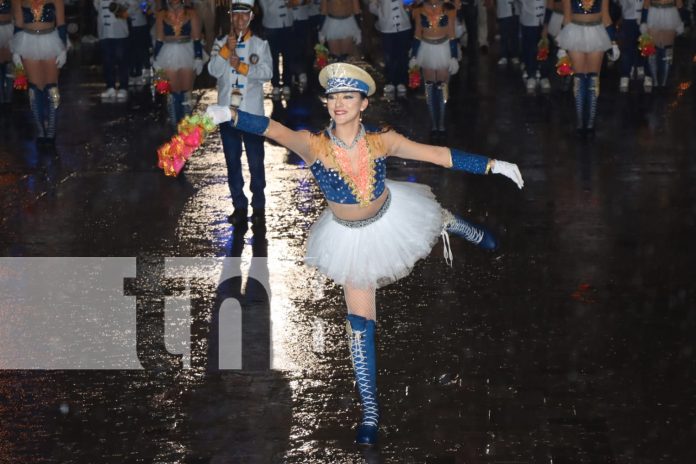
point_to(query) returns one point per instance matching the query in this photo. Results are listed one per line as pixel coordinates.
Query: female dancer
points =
(383, 227)
(340, 27)
(6, 29)
(39, 44)
(436, 51)
(178, 51)
(662, 19)
(587, 33)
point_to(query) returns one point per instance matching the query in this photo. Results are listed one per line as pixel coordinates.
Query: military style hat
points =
(241, 6)
(344, 77)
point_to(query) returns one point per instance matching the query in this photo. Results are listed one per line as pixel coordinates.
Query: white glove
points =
(321, 37)
(509, 170)
(643, 28)
(453, 66)
(17, 60)
(412, 63)
(614, 53)
(218, 113)
(561, 53)
(61, 59)
(198, 66)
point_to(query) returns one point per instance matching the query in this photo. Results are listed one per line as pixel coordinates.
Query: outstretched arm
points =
(295, 141)
(400, 146)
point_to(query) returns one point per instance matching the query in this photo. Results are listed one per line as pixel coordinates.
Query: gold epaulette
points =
(319, 144)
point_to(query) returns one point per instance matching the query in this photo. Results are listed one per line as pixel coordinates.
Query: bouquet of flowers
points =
(646, 45)
(414, 78)
(542, 50)
(564, 67)
(191, 132)
(321, 56)
(20, 81)
(161, 84)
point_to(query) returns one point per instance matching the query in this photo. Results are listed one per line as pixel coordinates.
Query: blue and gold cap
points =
(344, 77)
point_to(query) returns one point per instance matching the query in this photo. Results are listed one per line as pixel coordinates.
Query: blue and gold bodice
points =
(428, 22)
(170, 32)
(337, 190)
(338, 186)
(585, 6)
(45, 13)
(5, 7)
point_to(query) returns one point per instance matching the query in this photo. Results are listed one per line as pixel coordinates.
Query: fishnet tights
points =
(361, 302)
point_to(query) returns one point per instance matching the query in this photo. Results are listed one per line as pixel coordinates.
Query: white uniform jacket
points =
(108, 25)
(276, 14)
(532, 13)
(391, 15)
(255, 52)
(631, 9)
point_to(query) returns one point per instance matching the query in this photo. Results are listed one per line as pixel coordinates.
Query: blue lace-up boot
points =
(361, 336)
(37, 104)
(666, 61)
(469, 231)
(5, 83)
(592, 90)
(580, 94)
(432, 102)
(52, 103)
(443, 95)
(171, 109)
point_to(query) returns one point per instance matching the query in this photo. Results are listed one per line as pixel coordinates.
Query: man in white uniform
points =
(241, 62)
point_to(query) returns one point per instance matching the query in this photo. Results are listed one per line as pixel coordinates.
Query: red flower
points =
(21, 82)
(162, 86)
(414, 78)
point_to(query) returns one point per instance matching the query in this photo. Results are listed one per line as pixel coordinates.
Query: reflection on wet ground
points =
(571, 344)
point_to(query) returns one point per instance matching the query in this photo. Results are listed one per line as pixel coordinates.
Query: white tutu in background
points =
(37, 46)
(434, 56)
(176, 55)
(665, 19)
(580, 38)
(6, 31)
(383, 251)
(555, 24)
(341, 28)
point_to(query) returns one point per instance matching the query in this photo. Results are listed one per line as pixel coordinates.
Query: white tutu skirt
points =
(176, 56)
(665, 19)
(341, 28)
(6, 35)
(555, 24)
(37, 46)
(578, 38)
(383, 251)
(434, 56)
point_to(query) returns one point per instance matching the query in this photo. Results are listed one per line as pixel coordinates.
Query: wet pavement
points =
(573, 343)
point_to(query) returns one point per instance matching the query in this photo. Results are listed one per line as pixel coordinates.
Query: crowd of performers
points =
(173, 38)
(370, 216)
